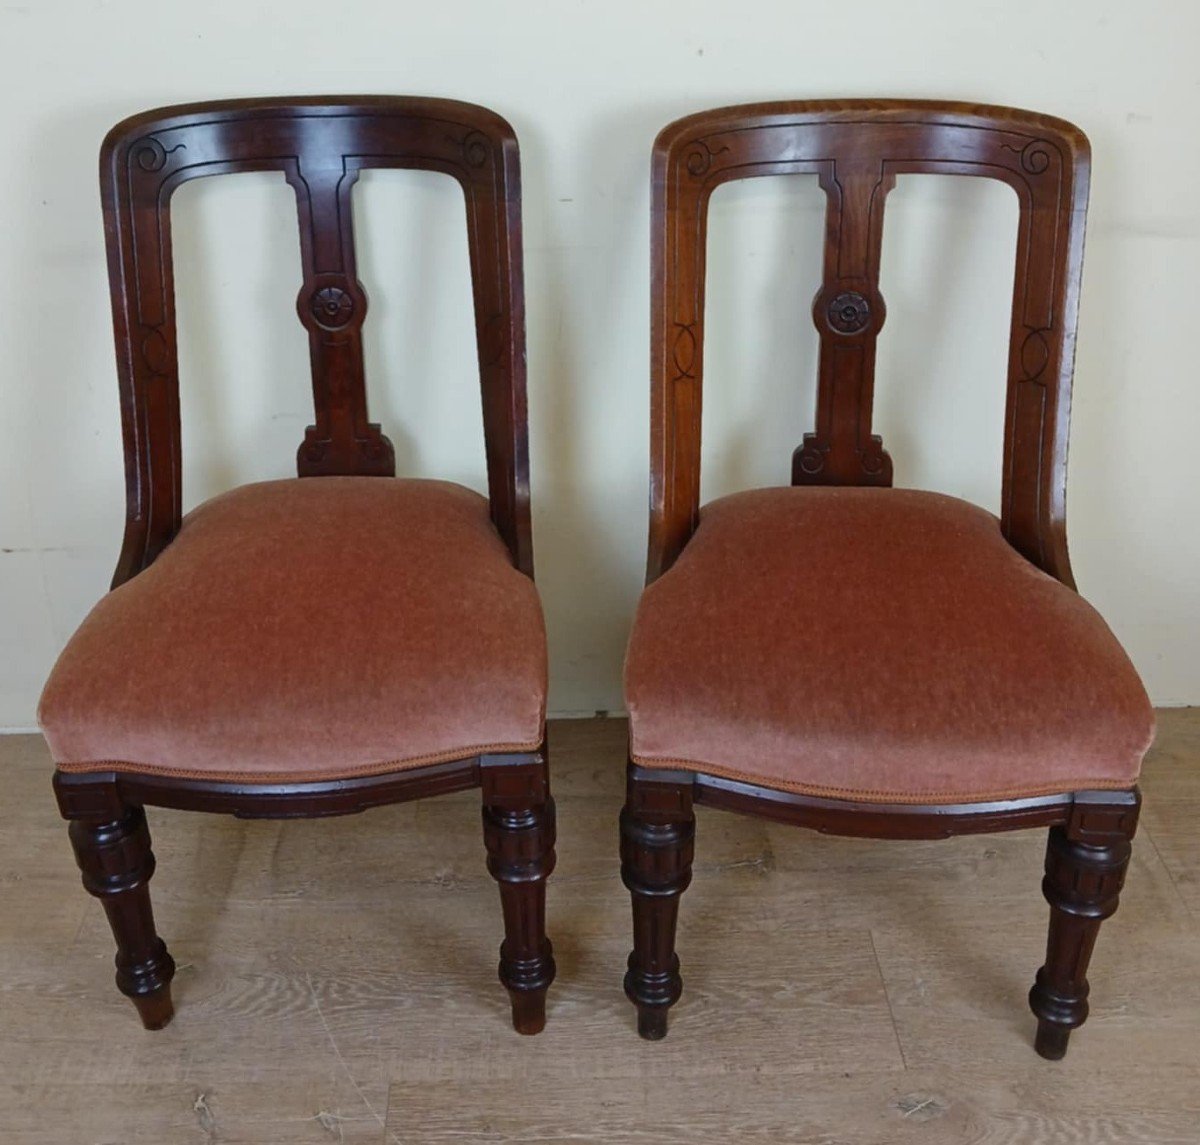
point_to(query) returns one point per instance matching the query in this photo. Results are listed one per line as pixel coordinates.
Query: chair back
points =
(320, 146)
(856, 148)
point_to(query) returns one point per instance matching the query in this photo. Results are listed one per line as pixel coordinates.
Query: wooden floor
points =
(337, 982)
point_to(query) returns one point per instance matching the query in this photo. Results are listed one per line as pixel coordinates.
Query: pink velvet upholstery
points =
(877, 644)
(308, 629)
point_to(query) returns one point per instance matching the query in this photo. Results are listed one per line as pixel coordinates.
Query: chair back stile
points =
(856, 148)
(320, 146)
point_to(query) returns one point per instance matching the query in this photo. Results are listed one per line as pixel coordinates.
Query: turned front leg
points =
(1084, 877)
(657, 832)
(518, 832)
(115, 859)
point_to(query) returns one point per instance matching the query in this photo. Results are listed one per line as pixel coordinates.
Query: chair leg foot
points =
(528, 1010)
(116, 862)
(1082, 885)
(652, 1023)
(156, 1010)
(518, 831)
(657, 832)
(1051, 1041)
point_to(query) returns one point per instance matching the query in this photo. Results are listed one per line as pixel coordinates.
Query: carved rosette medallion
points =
(812, 458)
(848, 313)
(476, 148)
(332, 307)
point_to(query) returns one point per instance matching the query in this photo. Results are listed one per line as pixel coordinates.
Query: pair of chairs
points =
(836, 654)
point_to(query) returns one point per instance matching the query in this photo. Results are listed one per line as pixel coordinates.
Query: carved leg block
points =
(518, 832)
(1085, 871)
(657, 833)
(115, 859)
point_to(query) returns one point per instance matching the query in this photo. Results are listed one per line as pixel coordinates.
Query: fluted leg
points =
(657, 831)
(115, 859)
(518, 831)
(1085, 870)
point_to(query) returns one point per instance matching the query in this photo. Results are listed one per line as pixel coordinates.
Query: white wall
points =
(587, 84)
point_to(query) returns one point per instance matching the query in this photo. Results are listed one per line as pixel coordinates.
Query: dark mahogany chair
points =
(853, 658)
(323, 645)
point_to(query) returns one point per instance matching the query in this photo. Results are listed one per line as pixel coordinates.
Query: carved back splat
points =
(857, 148)
(320, 145)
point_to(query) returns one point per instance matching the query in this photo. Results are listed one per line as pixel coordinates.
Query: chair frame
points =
(320, 145)
(857, 148)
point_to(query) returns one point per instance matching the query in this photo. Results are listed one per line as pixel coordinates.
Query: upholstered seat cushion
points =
(877, 644)
(308, 629)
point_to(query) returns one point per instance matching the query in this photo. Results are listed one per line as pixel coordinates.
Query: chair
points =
(321, 645)
(850, 657)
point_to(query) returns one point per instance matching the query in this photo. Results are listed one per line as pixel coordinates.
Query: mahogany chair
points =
(321, 645)
(853, 658)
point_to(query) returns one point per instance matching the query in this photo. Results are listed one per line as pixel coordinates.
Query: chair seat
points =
(308, 629)
(880, 645)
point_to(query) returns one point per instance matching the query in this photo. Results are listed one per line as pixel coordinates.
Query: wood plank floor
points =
(337, 982)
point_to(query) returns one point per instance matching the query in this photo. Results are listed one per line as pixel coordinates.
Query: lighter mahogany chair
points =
(321, 645)
(853, 658)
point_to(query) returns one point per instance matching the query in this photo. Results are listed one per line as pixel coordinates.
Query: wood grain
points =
(861, 1108)
(310, 1009)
